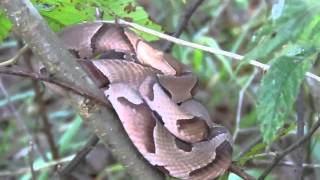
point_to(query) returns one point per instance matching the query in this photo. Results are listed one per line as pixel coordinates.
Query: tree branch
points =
(238, 171)
(14, 59)
(68, 87)
(30, 26)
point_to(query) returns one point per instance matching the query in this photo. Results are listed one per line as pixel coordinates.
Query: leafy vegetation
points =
(62, 13)
(283, 34)
(292, 46)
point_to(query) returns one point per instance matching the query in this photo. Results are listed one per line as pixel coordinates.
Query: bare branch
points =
(238, 171)
(30, 160)
(285, 163)
(93, 140)
(62, 84)
(15, 58)
(240, 102)
(250, 146)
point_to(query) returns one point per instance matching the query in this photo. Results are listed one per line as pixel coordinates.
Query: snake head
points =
(152, 57)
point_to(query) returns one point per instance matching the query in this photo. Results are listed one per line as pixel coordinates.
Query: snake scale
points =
(152, 94)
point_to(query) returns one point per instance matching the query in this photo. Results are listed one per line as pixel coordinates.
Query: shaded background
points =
(254, 28)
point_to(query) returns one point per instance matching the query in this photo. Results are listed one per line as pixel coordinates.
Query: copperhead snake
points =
(152, 94)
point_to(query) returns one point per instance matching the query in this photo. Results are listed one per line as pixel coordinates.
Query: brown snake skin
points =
(153, 96)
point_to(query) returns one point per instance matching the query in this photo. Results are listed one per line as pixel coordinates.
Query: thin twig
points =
(93, 141)
(240, 102)
(286, 163)
(76, 90)
(313, 98)
(184, 19)
(30, 160)
(294, 146)
(238, 171)
(15, 58)
(47, 127)
(250, 146)
(211, 50)
(19, 121)
(300, 132)
(41, 108)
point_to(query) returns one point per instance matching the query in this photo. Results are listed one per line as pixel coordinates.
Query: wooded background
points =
(264, 87)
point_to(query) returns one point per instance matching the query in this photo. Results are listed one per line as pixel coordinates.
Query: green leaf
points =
(289, 41)
(128, 10)
(61, 13)
(5, 26)
(295, 21)
(197, 60)
(278, 91)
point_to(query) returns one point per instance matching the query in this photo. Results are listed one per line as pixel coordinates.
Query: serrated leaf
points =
(278, 91)
(129, 10)
(61, 13)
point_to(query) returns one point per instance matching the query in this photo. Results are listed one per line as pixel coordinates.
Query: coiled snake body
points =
(153, 96)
